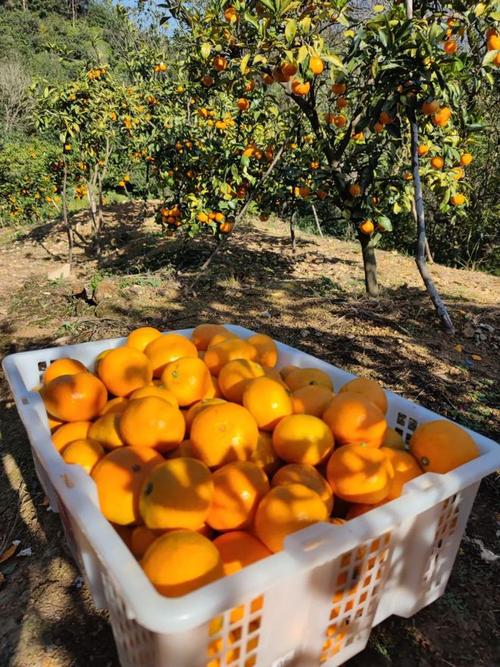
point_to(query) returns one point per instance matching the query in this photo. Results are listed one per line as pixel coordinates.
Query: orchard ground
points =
(313, 299)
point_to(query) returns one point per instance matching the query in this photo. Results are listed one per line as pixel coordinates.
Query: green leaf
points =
(206, 49)
(244, 63)
(290, 30)
(302, 54)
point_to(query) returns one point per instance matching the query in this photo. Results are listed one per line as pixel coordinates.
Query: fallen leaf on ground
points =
(476, 357)
(459, 348)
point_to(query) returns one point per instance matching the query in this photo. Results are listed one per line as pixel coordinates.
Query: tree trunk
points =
(292, 231)
(421, 236)
(369, 264)
(428, 253)
(317, 220)
(67, 224)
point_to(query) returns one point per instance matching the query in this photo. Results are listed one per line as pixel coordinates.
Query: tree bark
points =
(369, 264)
(67, 224)
(292, 231)
(317, 220)
(421, 236)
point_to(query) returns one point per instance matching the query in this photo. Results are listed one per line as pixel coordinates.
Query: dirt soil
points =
(313, 299)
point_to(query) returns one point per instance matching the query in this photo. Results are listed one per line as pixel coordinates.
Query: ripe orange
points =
(152, 422)
(371, 389)
(357, 509)
(342, 103)
(285, 510)
(71, 398)
(302, 377)
(243, 104)
(230, 14)
(235, 376)
(437, 162)
(238, 549)
(203, 334)
(339, 88)
(167, 348)
(188, 379)
(385, 118)
(224, 433)
(289, 69)
(116, 405)
(207, 80)
(430, 107)
(264, 455)
(355, 190)
(367, 227)
(220, 63)
(458, 199)
(181, 561)
(286, 370)
(393, 439)
(119, 477)
(492, 40)
(302, 473)
(62, 367)
(450, 46)
(442, 116)
(312, 399)
(423, 149)
(339, 120)
(140, 338)
(354, 419)
(238, 489)
(466, 159)
(360, 474)
(155, 390)
(267, 352)
(268, 401)
(300, 88)
(198, 407)
(141, 539)
(177, 494)
(125, 369)
(218, 355)
(106, 431)
(85, 452)
(440, 446)
(69, 433)
(378, 127)
(316, 65)
(458, 173)
(405, 468)
(53, 423)
(302, 439)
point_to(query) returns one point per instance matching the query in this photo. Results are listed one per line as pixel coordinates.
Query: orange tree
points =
(357, 78)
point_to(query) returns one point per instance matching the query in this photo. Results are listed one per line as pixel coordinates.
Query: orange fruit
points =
(224, 433)
(300, 88)
(360, 474)
(140, 338)
(264, 455)
(238, 549)
(141, 539)
(302, 439)
(124, 532)
(106, 431)
(355, 190)
(119, 477)
(286, 370)
(115, 405)
(177, 494)
(301, 377)
(243, 104)
(85, 452)
(466, 159)
(199, 407)
(450, 46)
(441, 446)
(428, 108)
(458, 173)
(221, 336)
(184, 449)
(188, 379)
(371, 389)
(167, 348)
(125, 369)
(493, 40)
(238, 489)
(316, 65)
(285, 510)
(385, 118)
(62, 367)
(354, 419)
(442, 116)
(302, 473)
(367, 227)
(267, 401)
(458, 199)
(312, 399)
(69, 432)
(220, 63)
(180, 562)
(154, 390)
(437, 162)
(267, 352)
(53, 423)
(393, 439)
(274, 374)
(357, 509)
(152, 422)
(405, 468)
(235, 376)
(215, 392)
(203, 334)
(288, 69)
(218, 355)
(339, 88)
(422, 150)
(71, 398)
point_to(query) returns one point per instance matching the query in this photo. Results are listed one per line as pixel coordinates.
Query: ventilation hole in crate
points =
(42, 366)
(357, 586)
(412, 424)
(24, 400)
(446, 527)
(401, 419)
(234, 636)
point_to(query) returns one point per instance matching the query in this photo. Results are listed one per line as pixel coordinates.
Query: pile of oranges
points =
(206, 456)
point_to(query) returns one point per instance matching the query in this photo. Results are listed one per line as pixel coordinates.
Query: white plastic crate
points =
(314, 603)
